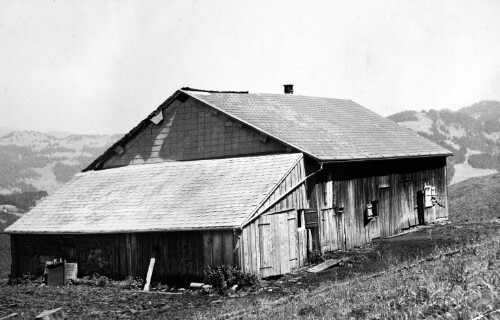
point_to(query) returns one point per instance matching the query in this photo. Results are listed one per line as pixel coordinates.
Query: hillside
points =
(475, 200)
(32, 161)
(471, 133)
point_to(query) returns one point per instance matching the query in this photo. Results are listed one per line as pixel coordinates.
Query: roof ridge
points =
(212, 91)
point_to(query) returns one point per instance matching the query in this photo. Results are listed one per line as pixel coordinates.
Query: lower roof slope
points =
(325, 128)
(216, 193)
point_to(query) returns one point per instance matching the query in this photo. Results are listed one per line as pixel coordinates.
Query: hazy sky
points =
(102, 66)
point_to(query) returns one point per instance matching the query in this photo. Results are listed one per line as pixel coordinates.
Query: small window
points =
(375, 208)
(383, 182)
(300, 220)
(311, 219)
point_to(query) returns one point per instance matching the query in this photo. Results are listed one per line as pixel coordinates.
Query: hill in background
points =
(471, 133)
(475, 199)
(33, 164)
(32, 161)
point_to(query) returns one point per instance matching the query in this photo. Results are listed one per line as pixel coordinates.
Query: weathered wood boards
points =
(341, 193)
(150, 273)
(178, 255)
(324, 265)
(274, 243)
(53, 314)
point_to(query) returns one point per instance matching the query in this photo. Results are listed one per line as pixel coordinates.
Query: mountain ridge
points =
(472, 133)
(33, 161)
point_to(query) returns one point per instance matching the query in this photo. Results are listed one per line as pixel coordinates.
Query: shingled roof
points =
(169, 196)
(327, 129)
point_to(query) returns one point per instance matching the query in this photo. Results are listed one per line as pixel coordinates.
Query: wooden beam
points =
(150, 273)
(323, 266)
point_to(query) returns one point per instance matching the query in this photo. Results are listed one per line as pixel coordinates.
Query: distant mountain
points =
(4, 131)
(484, 111)
(471, 133)
(32, 161)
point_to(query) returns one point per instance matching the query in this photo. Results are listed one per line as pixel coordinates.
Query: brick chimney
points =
(288, 88)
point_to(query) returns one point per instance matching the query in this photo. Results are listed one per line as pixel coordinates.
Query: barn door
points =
(265, 246)
(278, 243)
(328, 228)
(293, 253)
(409, 216)
(384, 213)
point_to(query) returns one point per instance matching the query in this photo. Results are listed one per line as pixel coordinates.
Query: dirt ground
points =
(114, 302)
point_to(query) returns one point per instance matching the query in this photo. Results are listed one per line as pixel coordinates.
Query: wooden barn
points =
(251, 180)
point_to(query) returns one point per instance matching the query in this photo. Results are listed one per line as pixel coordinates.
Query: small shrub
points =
(134, 283)
(221, 278)
(25, 279)
(102, 281)
(315, 257)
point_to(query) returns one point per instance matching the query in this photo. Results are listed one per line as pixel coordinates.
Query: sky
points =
(100, 67)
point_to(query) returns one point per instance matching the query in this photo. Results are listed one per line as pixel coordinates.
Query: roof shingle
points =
(217, 193)
(325, 128)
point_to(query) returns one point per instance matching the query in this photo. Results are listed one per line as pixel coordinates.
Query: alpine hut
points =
(250, 180)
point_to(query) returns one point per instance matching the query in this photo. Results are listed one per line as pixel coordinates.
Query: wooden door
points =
(407, 199)
(328, 230)
(265, 247)
(384, 216)
(278, 243)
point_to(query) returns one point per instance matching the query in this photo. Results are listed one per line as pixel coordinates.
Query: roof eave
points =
(122, 231)
(329, 160)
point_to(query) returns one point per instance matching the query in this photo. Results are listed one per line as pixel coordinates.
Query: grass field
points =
(475, 199)
(393, 278)
(459, 280)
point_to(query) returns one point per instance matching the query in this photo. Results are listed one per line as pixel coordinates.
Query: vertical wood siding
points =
(272, 244)
(180, 256)
(391, 186)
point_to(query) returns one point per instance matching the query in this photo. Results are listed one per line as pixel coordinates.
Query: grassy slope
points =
(450, 285)
(475, 199)
(459, 286)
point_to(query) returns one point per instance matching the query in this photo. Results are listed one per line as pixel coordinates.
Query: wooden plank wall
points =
(262, 239)
(271, 244)
(221, 247)
(391, 185)
(296, 199)
(180, 256)
(93, 253)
